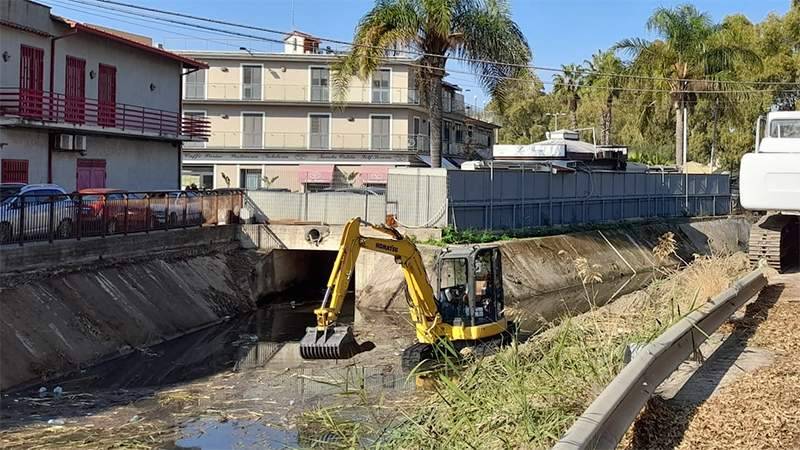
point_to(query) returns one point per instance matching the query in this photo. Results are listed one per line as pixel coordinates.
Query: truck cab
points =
(769, 178)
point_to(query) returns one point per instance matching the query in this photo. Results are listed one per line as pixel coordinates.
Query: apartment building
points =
(83, 106)
(275, 124)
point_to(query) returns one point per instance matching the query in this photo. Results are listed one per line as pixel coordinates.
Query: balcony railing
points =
(332, 141)
(303, 93)
(52, 107)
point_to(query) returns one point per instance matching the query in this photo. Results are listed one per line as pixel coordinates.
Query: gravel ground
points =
(760, 409)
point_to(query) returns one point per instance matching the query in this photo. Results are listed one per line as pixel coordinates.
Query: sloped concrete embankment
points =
(57, 321)
(540, 279)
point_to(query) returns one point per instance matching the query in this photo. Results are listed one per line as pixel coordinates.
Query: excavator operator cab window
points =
(488, 305)
(453, 298)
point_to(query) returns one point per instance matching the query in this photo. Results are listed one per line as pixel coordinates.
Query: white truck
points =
(769, 181)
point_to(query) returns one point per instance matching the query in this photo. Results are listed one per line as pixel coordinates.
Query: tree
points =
(480, 30)
(567, 84)
(692, 50)
(605, 70)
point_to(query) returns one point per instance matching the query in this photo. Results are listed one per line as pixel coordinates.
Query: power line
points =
(137, 19)
(499, 77)
(452, 57)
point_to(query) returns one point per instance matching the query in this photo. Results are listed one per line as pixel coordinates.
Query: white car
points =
(34, 211)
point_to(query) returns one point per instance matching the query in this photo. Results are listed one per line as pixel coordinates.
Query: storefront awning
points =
(316, 173)
(374, 174)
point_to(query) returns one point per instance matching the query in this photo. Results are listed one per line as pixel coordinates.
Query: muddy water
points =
(241, 383)
(233, 385)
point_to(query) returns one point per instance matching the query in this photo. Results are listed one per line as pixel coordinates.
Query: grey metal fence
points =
(417, 197)
(508, 199)
(333, 208)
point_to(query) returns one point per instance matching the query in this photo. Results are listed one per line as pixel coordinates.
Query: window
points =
(319, 131)
(784, 128)
(252, 130)
(380, 86)
(380, 132)
(446, 131)
(31, 81)
(74, 89)
(251, 82)
(250, 179)
(447, 100)
(416, 141)
(194, 115)
(195, 85)
(413, 94)
(459, 133)
(319, 84)
(200, 176)
(14, 171)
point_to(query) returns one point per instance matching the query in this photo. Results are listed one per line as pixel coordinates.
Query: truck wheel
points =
(64, 230)
(5, 233)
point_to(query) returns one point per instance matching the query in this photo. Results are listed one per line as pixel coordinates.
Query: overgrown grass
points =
(527, 395)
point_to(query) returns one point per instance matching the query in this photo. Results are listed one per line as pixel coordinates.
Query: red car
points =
(115, 209)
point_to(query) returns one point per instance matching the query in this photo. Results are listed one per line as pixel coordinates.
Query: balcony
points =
(330, 142)
(297, 93)
(50, 108)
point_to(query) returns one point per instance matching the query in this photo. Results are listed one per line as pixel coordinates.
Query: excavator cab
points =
(469, 286)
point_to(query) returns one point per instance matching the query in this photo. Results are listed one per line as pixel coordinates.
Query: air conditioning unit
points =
(79, 142)
(65, 141)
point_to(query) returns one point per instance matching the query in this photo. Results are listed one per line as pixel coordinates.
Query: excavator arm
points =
(328, 341)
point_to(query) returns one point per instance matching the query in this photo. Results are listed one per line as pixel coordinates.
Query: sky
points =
(558, 31)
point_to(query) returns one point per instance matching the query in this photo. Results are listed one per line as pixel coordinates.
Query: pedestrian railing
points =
(31, 218)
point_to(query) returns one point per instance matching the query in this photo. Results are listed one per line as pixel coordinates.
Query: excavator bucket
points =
(332, 343)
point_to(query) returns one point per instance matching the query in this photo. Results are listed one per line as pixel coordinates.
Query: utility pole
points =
(714, 133)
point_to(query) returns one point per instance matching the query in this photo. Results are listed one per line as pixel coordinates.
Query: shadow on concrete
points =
(663, 423)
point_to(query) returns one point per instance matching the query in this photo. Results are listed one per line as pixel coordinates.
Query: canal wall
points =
(97, 299)
(539, 274)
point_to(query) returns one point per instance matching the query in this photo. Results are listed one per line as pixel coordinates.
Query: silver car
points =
(34, 211)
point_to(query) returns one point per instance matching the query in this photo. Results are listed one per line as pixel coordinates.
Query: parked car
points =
(171, 206)
(35, 211)
(115, 209)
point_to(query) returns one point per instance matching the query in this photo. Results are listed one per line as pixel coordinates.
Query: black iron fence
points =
(31, 217)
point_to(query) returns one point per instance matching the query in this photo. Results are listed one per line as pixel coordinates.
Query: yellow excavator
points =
(467, 308)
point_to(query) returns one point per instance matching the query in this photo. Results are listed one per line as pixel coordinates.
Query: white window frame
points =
(241, 81)
(308, 127)
(391, 129)
(205, 86)
(318, 66)
(263, 129)
(205, 114)
(391, 75)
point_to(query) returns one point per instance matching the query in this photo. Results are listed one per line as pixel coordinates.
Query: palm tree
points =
(480, 30)
(692, 54)
(605, 72)
(568, 84)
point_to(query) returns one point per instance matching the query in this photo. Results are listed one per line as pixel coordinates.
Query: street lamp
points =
(556, 117)
(247, 50)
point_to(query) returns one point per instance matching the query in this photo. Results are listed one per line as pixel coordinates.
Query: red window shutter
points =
(107, 96)
(31, 81)
(75, 89)
(14, 171)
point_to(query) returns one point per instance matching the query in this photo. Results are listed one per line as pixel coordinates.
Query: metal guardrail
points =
(605, 422)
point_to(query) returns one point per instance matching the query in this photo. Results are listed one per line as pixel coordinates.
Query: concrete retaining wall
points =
(55, 321)
(539, 274)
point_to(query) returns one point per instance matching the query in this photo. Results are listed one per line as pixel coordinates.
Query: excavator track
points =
(776, 239)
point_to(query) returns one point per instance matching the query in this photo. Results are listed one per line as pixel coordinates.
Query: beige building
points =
(275, 124)
(84, 106)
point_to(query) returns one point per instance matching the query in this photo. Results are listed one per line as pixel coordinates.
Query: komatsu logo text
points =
(388, 248)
